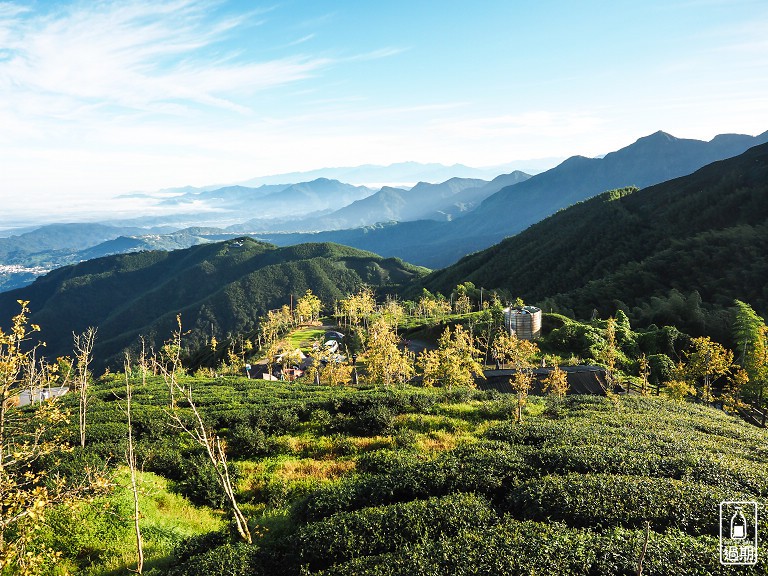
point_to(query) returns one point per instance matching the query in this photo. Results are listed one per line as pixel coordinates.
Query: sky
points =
(100, 98)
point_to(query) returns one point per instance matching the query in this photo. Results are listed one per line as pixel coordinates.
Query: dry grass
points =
(427, 423)
(441, 441)
(368, 443)
(292, 470)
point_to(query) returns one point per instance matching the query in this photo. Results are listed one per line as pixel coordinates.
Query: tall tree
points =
(308, 308)
(386, 363)
(706, 361)
(357, 308)
(645, 372)
(751, 337)
(201, 434)
(609, 354)
(130, 457)
(521, 354)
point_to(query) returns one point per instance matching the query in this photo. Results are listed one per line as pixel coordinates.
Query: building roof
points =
(581, 380)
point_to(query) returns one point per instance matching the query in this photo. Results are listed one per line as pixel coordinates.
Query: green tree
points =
(609, 354)
(751, 337)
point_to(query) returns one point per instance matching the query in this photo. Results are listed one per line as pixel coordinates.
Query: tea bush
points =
(607, 500)
(373, 531)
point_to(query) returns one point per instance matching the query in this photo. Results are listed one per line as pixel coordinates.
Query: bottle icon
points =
(738, 525)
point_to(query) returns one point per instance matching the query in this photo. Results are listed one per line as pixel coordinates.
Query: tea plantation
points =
(343, 481)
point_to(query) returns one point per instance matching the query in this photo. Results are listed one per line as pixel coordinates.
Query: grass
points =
(98, 538)
(303, 338)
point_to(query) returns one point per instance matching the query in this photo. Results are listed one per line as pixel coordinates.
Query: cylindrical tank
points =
(525, 321)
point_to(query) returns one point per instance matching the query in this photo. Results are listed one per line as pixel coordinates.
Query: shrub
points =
(377, 530)
(606, 500)
(525, 547)
(200, 483)
(486, 469)
(244, 441)
(228, 559)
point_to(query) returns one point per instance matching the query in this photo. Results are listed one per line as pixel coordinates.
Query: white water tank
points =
(524, 321)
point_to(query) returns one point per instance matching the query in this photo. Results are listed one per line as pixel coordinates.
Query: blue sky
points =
(101, 98)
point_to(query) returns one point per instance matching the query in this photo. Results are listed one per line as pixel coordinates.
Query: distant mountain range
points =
(218, 288)
(514, 208)
(275, 201)
(405, 173)
(665, 254)
(27, 255)
(429, 224)
(441, 201)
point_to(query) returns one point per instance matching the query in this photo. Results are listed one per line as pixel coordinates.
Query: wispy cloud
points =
(160, 56)
(301, 40)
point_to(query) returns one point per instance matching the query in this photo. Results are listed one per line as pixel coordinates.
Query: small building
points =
(581, 380)
(27, 397)
(523, 321)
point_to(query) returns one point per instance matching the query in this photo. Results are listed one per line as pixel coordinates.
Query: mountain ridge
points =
(514, 208)
(706, 232)
(219, 288)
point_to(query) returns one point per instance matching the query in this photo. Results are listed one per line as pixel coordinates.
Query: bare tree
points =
(83, 349)
(130, 456)
(200, 433)
(170, 361)
(214, 448)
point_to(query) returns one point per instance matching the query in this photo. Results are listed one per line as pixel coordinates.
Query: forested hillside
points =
(219, 289)
(643, 251)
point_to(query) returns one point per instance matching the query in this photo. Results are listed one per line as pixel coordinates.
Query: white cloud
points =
(136, 56)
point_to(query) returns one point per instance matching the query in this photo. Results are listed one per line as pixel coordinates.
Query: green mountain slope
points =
(706, 232)
(218, 288)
